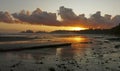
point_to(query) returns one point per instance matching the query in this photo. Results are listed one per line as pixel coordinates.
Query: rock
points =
(107, 68)
(51, 69)
(118, 66)
(117, 46)
(39, 62)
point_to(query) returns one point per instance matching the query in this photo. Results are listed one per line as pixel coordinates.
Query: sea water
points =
(88, 52)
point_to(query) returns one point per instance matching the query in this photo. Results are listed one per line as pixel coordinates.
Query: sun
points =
(77, 28)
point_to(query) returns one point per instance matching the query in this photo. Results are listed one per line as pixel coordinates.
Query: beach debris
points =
(114, 39)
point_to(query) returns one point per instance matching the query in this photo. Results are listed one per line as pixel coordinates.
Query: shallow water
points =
(87, 53)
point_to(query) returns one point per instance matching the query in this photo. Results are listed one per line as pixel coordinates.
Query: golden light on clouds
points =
(21, 27)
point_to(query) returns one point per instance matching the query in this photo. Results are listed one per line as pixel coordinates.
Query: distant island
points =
(27, 31)
(31, 31)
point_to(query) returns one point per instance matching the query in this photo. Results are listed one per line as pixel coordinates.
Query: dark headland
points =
(113, 31)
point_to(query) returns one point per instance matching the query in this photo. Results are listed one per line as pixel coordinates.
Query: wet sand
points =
(87, 53)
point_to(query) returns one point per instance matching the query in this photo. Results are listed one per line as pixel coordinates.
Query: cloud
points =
(22, 16)
(67, 14)
(69, 18)
(96, 20)
(7, 17)
(115, 20)
(38, 17)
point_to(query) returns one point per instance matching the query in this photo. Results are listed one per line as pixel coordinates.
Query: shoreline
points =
(35, 46)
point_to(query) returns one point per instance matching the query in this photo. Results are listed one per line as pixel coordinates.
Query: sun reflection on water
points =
(79, 44)
(76, 39)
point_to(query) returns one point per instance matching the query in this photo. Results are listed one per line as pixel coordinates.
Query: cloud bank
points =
(69, 18)
(95, 20)
(37, 17)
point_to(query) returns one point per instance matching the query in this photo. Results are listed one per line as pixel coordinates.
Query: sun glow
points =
(77, 28)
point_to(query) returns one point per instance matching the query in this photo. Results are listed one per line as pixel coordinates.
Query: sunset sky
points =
(49, 15)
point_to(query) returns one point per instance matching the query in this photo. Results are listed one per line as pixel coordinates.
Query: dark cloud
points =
(37, 17)
(69, 18)
(22, 16)
(96, 20)
(67, 14)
